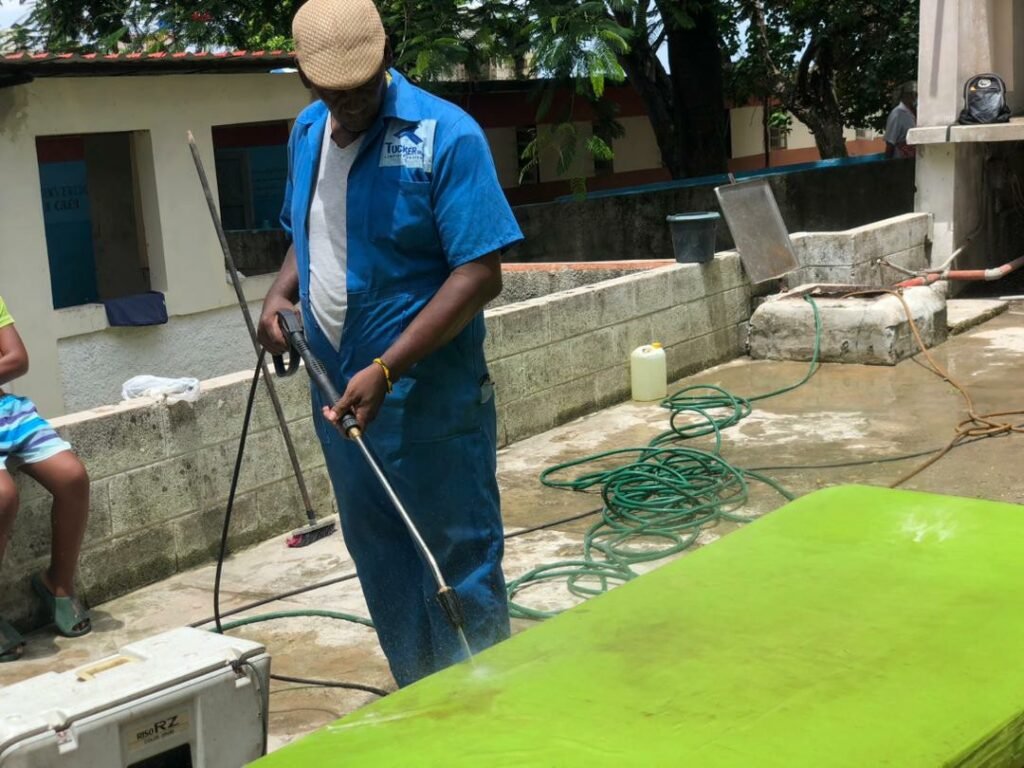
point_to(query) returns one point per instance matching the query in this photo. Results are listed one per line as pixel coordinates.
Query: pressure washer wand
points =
(349, 426)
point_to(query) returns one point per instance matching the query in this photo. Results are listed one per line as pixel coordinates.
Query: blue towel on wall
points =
(141, 309)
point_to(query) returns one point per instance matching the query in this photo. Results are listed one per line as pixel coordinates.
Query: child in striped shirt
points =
(30, 444)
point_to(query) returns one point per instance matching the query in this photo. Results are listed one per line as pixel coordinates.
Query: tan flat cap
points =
(339, 43)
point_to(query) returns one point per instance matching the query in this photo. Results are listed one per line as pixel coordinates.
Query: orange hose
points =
(995, 273)
(976, 424)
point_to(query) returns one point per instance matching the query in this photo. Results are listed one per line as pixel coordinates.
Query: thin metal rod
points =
(898, 268)
(949, 262)
(421, 545)
(414, 532)
(244, 305)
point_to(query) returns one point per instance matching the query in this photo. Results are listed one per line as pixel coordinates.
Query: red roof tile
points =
(42, 63)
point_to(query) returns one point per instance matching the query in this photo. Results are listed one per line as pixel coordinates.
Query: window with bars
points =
(778, 137)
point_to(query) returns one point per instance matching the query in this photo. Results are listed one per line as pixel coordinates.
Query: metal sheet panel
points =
(853, 627)
(757, 229)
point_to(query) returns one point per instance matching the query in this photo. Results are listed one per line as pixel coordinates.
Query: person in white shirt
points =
(901, 120)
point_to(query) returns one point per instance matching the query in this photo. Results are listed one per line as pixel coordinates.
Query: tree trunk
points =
(695, 58)
(828, 135)
(825, 124)
(766, 134)
(686, 109)
(649, 78)
(813, 100)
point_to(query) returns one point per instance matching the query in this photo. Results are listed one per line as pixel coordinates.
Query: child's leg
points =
(8, 509)
(64, 476)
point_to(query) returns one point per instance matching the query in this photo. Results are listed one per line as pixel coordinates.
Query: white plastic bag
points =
(172, 390)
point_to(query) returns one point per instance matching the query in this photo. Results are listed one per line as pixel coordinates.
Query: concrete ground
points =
(845, 414)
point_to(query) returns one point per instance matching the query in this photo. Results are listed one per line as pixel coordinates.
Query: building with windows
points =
(785, 147)
(101, 199)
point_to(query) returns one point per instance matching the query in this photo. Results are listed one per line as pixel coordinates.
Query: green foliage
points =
(883, 55)
(531, 156)
(806, 51)
(577, 40)
(578, 187)
(143, 25)
(599, 148)
(861, 49)
(431, 34)
(781, 121)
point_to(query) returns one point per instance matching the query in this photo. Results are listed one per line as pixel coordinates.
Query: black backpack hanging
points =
(984, 101)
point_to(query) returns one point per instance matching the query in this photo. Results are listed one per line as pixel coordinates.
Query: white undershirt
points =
(328, 237)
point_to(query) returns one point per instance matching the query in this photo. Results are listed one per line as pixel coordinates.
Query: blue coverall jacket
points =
(423, 198)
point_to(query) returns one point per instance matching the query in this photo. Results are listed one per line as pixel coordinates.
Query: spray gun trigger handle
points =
(279, 366)
(290, 325)
(289, 322)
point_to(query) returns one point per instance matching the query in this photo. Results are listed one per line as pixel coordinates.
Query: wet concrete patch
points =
(846, 413)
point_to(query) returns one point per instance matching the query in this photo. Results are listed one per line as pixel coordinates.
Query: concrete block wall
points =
(852, 256)
(526, 280)
(160, 472)
(160, 476)
(215, 343)
(560, 356)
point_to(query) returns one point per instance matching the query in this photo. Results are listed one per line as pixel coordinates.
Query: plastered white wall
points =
(800, 136)
(184, 254)
(506, 156)
(748, 132)
(93, 366)
(638, 149)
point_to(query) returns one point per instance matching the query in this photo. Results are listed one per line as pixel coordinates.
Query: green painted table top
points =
(853, 627)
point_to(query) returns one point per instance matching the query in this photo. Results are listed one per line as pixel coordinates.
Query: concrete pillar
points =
(1017, 54)
(937, 62)
(936, 171)
(959, 39)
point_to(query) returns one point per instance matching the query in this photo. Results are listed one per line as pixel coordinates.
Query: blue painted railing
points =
(723, 178)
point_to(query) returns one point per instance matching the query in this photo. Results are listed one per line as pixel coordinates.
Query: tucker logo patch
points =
(409, 145)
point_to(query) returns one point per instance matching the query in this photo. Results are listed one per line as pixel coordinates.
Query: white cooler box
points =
(183, 699)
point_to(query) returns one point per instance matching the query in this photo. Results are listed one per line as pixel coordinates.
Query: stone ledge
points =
(961, 134)
(870, 330)
(964, 314)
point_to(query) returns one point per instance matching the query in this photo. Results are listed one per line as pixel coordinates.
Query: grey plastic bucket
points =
(693, 236)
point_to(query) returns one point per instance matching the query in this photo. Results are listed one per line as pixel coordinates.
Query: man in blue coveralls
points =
(397, 222)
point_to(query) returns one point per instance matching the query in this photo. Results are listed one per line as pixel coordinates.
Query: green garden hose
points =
(657, 498)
